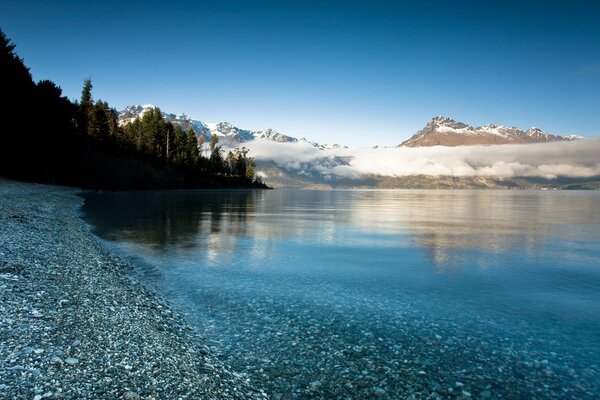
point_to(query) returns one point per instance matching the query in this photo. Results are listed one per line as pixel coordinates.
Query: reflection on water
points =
(442, 223)
(329, 294)
(160, 219)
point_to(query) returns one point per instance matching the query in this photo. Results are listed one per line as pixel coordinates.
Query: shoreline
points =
(75, 324)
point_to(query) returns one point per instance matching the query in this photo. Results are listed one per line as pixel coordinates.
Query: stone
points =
(314, 385)
(377, 391)
(71, 360)
(129, 395)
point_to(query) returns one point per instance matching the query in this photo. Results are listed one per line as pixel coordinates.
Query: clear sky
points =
(355, 73)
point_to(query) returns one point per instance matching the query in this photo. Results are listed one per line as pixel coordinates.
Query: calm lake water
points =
(388, 294)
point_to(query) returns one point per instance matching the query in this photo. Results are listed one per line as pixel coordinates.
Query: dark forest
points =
(48, 138)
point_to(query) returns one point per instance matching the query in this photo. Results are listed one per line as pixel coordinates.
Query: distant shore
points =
(74, 324)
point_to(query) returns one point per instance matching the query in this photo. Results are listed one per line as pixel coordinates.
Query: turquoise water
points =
(388, 294)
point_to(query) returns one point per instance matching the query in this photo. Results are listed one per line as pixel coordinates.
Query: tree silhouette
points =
(47, 138)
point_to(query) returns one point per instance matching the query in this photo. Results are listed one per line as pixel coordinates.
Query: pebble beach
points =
(74, 324)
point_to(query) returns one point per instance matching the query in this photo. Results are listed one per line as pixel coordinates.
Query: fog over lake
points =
(578, 159)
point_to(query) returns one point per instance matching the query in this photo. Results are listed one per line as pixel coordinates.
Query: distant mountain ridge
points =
(228, 134)
(444, 131)
(440, 131)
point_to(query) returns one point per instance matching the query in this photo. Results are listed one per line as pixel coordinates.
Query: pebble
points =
(377, 391)
(71, 360)
(131, 396)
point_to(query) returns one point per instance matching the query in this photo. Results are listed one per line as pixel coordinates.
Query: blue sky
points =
(356, 73)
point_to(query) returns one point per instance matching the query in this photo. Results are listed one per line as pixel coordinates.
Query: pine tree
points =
(86, 109)
(16, 91)
(231, 162)
(240, 163)
(250, 169)
(134, 133)
(113, 121)
(191, 148)
(155, 133)
(15, 76)
(214, 140)
(216, 160)
(179, 146)
(99, 127)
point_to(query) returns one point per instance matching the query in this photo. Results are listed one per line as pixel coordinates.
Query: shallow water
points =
(389, 294)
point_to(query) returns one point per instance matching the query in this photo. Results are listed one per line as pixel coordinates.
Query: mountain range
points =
(228, 134)
(443, 131)
(440, 131)
(444, 154)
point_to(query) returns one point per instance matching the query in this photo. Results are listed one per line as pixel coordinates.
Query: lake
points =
(388, 294)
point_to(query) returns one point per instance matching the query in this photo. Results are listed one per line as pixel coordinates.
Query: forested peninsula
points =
(49, 138)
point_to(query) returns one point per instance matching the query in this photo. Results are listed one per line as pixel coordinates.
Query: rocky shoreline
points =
(74, 324)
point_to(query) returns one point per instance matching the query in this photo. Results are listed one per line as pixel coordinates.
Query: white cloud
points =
(579, 158)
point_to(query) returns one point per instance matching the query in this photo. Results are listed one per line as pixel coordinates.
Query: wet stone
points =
(377, 391)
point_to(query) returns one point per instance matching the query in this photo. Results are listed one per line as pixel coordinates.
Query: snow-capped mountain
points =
(129, 114)
(228, 134)
(443, 131)
(440, 131)
(275, 136)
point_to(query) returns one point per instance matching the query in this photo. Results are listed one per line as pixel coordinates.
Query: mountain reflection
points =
(450, 226)
(446, 224)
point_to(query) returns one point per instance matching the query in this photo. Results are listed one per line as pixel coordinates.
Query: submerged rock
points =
(71, 360)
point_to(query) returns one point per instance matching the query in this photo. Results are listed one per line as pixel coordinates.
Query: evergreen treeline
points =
(47, 138)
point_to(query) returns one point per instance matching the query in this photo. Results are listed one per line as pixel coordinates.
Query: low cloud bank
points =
(580, 158)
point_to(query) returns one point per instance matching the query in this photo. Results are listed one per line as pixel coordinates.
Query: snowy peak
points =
(445, 123)
(130, 113)
(229, 132)
(444, 131)
(271, 134)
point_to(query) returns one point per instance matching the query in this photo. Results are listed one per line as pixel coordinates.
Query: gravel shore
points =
(75, 325)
